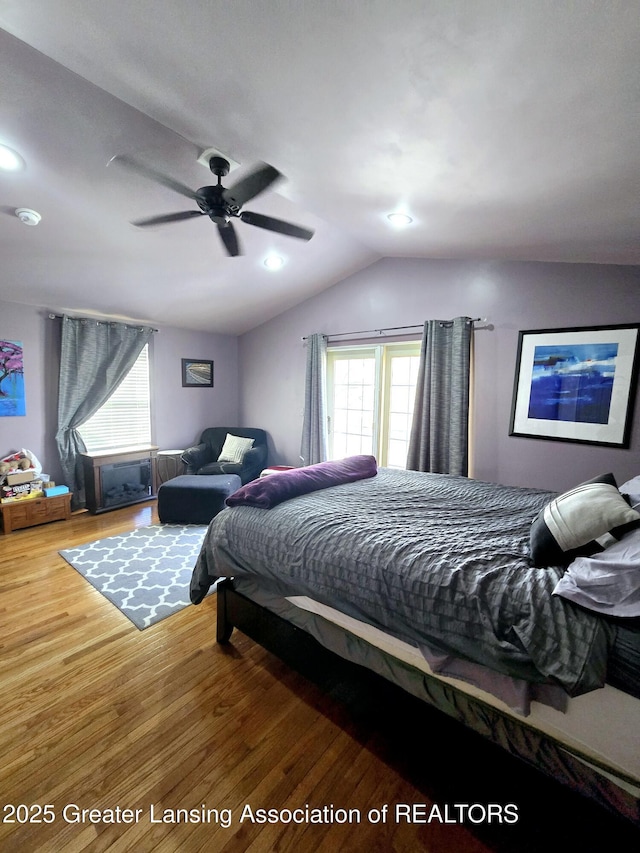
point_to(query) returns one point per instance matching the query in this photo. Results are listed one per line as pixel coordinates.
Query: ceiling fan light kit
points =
(221, 204)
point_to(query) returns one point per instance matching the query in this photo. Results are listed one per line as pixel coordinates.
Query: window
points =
(371, 391)
(125, 419)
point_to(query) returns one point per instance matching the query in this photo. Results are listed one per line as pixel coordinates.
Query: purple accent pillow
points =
(273, 489)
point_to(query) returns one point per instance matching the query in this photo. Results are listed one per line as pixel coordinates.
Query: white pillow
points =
(632, 488)
(234, 448)
(608, 582)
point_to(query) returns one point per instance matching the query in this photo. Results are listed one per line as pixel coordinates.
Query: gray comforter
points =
(435, 560)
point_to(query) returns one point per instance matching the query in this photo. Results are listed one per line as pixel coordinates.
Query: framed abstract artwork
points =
(576, 384)
(12, 401)
(197, 373)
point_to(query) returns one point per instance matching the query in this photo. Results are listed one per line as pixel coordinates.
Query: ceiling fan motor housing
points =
(212, 202)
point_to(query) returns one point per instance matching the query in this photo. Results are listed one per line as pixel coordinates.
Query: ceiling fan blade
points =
(147, 172)
(278, 225)
(167, 217)
(230, 239)
(252, 185)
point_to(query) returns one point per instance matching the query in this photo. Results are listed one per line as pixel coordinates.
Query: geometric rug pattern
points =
(145, 573)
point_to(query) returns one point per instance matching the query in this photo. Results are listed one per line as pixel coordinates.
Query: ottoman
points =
(195, 498)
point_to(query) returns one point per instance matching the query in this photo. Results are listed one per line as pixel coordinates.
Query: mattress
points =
(611, 750)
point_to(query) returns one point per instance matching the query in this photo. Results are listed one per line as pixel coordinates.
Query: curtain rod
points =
(389, 329)
(99, 322)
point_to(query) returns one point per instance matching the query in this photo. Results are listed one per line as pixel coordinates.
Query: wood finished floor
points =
(99, 714)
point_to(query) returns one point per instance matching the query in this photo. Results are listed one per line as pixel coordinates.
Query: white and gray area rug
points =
(146, 572)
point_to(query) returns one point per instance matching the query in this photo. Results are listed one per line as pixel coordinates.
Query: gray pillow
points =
(581, 522)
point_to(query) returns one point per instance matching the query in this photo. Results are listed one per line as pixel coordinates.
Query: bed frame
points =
(301, 650)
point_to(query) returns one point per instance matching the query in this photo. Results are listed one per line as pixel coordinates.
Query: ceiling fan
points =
(220, 204)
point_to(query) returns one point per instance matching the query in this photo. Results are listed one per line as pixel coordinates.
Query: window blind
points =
(125, 419)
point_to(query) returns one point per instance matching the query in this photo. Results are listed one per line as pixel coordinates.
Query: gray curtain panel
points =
(94, 359)
(314, 427)
(439, 441)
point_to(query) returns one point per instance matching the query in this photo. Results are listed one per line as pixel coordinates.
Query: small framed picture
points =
(576, 384)
(197, 373)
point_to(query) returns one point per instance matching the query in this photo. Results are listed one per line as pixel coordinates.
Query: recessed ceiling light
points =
(10, 160)
(273, 262)
(399, 219)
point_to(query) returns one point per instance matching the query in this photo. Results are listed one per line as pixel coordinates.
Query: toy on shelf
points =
(21, 477)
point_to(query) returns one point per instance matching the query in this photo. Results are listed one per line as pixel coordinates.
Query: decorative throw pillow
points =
(581, 522)
(234, 448)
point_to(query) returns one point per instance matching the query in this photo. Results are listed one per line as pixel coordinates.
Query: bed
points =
(429, 581)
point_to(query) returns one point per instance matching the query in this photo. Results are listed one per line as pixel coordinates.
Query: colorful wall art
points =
(576, 384)
(11, 379)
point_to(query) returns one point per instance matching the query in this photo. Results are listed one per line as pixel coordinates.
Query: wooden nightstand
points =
(32, 511)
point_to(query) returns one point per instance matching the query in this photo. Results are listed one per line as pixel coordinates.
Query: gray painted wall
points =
(512, 296)
(179, 414)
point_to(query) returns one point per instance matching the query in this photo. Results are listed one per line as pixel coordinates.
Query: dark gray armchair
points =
(203, 457)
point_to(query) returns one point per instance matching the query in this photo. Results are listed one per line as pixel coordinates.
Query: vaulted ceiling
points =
(504, 129)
